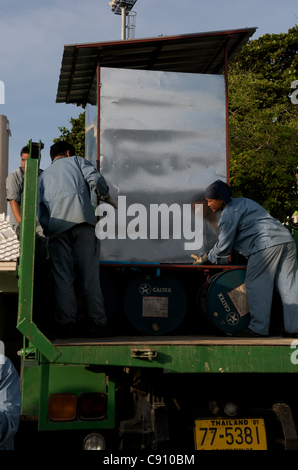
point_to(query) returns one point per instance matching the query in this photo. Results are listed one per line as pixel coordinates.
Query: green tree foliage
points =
(263, 123)
(75, 136)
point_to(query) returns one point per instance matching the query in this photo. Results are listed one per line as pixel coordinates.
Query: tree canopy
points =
(263, 123)
(76, 135)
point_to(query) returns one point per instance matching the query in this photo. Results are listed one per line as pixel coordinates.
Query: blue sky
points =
(33, 34)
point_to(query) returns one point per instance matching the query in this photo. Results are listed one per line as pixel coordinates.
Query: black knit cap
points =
(219, 189)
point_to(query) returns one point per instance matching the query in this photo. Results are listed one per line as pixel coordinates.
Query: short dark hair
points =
(25, 150)
(59, 148)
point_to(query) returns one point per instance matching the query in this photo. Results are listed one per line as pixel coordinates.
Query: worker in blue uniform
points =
(10, 403)
(67, 217)
(14, 191)
(271, 252)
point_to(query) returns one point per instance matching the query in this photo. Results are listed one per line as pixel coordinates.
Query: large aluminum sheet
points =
(162, 142)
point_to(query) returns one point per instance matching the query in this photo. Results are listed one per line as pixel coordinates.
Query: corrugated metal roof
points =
(192, 53)
(9, 243)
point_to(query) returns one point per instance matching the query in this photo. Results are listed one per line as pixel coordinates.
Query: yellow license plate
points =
(230, 434)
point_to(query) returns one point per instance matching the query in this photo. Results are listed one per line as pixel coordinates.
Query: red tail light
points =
(92, 406)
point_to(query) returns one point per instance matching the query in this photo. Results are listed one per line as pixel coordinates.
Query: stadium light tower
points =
(122, 7)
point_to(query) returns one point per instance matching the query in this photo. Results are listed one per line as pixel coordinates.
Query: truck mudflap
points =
(284, 415)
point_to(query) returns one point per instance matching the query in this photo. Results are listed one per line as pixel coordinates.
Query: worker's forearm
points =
(16, 210)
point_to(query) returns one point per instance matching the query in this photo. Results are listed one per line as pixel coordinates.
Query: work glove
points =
(200, 259)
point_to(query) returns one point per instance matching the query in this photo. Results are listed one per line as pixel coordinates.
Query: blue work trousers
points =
(81, 244)
(275, 266)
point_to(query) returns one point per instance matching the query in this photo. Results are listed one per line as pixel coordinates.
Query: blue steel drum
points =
(225, 301)
(155, 305)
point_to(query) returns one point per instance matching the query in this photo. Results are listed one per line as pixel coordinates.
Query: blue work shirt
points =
(14, 191)
(63, 198)
(10, 403)
(247, 227)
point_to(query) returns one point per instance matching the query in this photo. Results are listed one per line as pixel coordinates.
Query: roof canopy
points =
(190, 53)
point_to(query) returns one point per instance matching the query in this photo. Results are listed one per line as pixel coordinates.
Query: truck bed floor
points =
(178, 340)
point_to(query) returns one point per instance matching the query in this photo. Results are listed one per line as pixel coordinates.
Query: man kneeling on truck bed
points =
(67, 217)
(271, 251)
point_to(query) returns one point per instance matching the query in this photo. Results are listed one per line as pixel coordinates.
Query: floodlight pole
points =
(121, 7)
(123, 21)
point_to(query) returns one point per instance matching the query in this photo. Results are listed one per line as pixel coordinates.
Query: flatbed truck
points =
(193, 387)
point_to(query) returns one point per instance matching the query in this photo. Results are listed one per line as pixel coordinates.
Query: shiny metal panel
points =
(162, 141)
(91, 134)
